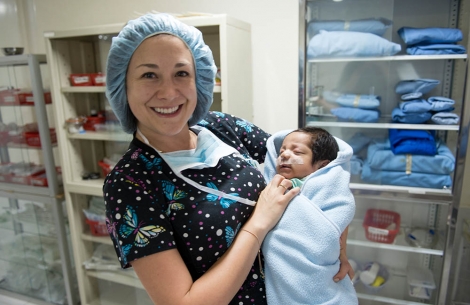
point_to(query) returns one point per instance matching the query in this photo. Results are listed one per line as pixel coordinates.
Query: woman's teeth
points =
(166, 110)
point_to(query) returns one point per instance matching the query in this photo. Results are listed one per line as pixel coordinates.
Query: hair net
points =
(124, 45)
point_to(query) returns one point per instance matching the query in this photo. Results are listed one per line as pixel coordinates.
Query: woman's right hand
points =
(271, 204)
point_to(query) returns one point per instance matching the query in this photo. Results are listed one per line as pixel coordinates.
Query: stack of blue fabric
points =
(431, 41)
(341, 38)
(354, 107)
(415, 109)
(409, 158)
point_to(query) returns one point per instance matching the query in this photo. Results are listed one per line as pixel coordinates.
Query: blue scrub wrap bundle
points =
(124, 45)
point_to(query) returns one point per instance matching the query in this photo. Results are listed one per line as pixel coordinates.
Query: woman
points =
(187, 206)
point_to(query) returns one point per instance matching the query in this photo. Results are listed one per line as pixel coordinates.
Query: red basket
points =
(97, 228)
(33, 139)
(381, 225)
(105, 167)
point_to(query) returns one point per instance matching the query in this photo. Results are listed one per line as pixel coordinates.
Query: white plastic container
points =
(421, 282)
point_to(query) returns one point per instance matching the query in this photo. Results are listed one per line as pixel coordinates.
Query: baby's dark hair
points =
(322, 143)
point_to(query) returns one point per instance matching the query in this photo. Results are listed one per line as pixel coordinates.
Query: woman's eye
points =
(182, 73)
(149, 75)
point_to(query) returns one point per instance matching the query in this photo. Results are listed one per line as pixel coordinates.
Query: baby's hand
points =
(273, 202)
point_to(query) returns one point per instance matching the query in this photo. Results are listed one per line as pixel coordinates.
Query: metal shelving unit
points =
(430, 208)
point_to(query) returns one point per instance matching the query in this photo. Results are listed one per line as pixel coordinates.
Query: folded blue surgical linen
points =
(413, 36)
(355, 114)
(356, 165)
(370, 175)
(445, 118)
(423, 85)
(381, 157)
(436, 49)
(440, 103)
(358, 142)
(406, 141)
(376, 26)
(411, 96)
(350, 44)
(364, 101)
(398, 116)
(301, 252)
(413, 106)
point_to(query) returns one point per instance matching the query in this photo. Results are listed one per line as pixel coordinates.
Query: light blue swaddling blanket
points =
(302, 251)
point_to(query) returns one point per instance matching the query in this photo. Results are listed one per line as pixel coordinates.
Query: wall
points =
(274, 39)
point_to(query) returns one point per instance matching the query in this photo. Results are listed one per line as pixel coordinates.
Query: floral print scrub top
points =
(149, 209)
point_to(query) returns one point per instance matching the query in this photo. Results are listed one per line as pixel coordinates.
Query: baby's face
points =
(295, 157)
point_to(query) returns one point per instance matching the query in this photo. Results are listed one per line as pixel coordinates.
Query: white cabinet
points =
(84, 51)
(331, 77)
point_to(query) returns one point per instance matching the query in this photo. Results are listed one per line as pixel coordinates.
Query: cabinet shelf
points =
(384, 125)
(357, 237)
(116, 277)
(86, 187)
(101, 136)
(389, 58)
(97, 239)
(396, 285)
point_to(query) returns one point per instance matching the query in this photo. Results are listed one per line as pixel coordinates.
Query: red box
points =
(4, 138)
(26, 98)
(91, 121)
(105, 167)
(18, 97)
(381, 225)
(33, 139)
(25, 179)
(81, 79)
(98, 79)
(97, 228)
(9, 98)
(41, 179)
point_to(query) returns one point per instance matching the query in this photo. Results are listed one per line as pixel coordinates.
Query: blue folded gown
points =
(440, 103)
(412, 36)
(411, 96)
(350, 44)
(418, 105)
(364, 101)
(398, 116)
(436, 49)
(301, 252)
(445, 118)
(419, 142)
(355, 114)
(370, 175)
(423, 85)
(376, 26)
(381, 157)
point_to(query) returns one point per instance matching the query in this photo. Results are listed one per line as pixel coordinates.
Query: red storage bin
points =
(9, 98)
(33, 139)
(97, 228)
(81, 79)
(26, 179)
(4, 138)
(26, 98)
(105, 167)
(98, 79)
(41, 179)
(91, 121)
(381, 225)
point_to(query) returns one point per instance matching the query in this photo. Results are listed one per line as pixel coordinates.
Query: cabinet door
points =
(364, 82)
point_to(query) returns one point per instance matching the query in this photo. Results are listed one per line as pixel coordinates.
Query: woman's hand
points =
(271, 205)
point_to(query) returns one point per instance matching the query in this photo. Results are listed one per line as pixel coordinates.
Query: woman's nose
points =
(167, 90)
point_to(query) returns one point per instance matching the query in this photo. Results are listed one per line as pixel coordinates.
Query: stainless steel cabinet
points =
(35, 258)
(411, 233)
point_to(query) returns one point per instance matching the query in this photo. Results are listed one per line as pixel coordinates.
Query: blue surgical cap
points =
(124, 45)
